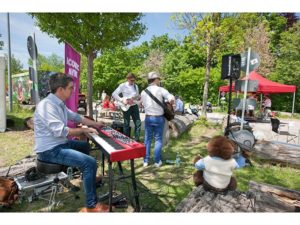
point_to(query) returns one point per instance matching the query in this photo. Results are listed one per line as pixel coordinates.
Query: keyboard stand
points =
(110, 184)
(106, 148)
(120, 168)
(111, 180)
(135, 192)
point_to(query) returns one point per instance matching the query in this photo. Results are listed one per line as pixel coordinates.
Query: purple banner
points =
(72, 68)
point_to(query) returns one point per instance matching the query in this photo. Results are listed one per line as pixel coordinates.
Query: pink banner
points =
(72, 68)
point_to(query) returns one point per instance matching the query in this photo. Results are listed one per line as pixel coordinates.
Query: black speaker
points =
(231, 66)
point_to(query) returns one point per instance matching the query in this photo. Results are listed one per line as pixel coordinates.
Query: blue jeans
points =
(241, 160)
(76, 154)
(154, 125)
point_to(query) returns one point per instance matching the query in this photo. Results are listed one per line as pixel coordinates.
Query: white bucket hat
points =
(153, 75)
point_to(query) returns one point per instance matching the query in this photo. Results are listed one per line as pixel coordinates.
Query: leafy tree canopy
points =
(15, 64)
(287, 69)
(91, 32)
(51, 63)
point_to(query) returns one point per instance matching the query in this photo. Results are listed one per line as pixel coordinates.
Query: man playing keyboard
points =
(51, 137)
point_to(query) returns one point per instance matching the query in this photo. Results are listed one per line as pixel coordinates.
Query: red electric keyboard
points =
(117, 146)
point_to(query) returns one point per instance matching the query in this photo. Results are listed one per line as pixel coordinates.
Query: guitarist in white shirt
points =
(128, 104)
(154, 120)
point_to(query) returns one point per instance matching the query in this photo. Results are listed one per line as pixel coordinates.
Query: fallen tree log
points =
(259, 198)
(19, 168)
(200, 200)
(181, 123)
(278, 152)
(270, 198)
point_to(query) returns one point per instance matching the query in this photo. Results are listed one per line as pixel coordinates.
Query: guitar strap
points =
(155, 99)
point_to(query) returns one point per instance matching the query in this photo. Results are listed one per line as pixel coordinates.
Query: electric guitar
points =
(125, 107)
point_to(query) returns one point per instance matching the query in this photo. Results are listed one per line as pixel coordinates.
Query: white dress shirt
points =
(151, 107)
(127, 90)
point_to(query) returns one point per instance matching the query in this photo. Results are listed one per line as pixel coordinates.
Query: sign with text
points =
(72, 68)
(254, 61)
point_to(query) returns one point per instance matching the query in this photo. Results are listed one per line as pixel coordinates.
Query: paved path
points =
(263, 131)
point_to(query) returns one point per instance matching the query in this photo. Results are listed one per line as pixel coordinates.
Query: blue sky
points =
(22, 25)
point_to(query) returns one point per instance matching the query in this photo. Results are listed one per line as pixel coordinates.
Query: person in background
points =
(103, 95)
(223, 101)
(155, 120)
(130, 92)
(267, 104)
(253, 96)
(105, 104)
(112, 105)
(251, 103)
(20, 93)
(51, 134)
(179, 108)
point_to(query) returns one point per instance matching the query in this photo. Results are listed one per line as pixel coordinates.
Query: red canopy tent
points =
(266, 86)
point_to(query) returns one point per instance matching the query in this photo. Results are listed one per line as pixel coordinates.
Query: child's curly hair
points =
(220, 146)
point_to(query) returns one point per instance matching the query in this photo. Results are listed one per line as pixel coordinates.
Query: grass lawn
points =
(18, 115)
(16, 143)
(161, 189)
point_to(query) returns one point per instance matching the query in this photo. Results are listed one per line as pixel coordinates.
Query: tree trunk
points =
(181, 123)
(200, 200)
(270, 198)
(207, 75)
(278, 152)
(259, 198)
(91, 56)
(20, 167)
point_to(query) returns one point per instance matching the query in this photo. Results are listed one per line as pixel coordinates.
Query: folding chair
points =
(251, 105)
(292, 129)
(275, 123)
